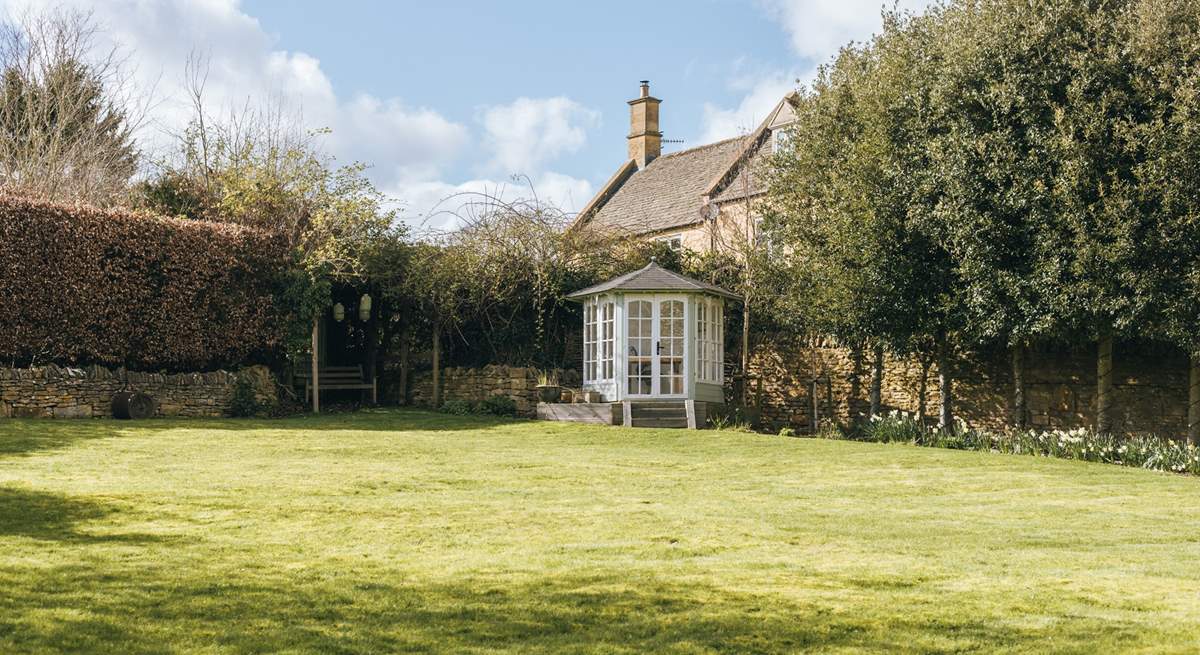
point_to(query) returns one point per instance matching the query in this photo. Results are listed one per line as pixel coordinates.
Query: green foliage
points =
(498, 406)
(123, 289)
(243, 403)
(458, 407)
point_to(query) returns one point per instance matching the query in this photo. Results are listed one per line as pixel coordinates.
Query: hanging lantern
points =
(364, 308)
(339, 312)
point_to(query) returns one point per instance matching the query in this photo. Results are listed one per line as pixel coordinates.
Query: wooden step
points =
(672, 422)
(657, 412)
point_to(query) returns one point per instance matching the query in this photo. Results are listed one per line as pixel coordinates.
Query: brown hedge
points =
(80, 285)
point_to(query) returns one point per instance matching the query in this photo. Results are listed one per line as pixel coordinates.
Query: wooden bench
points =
(338, 378)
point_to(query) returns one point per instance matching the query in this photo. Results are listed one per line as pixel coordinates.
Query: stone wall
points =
(476, 384)
(56, 392)
(1149, 387)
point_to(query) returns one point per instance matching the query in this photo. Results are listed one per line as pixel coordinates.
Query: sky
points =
(512, 98)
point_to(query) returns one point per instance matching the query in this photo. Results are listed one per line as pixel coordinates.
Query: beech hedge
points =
(80, 285)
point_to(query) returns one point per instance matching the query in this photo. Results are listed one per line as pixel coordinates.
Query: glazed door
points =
(657, 342)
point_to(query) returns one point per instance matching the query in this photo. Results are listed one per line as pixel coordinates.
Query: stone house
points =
(701, 198)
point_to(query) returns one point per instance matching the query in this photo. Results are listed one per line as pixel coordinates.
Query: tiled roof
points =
(667, 192)
(747, 183)
(653, 277)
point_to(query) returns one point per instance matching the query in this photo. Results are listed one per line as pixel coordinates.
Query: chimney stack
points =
(645, 140)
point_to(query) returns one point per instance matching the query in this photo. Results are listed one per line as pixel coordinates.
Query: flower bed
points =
(1149, 452)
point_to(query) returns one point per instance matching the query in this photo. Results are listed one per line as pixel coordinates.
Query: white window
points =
(761, 238)
(711, 340)
(590, 340)
(598, 340)
(607, 339)
(673, 241)
(780, 138)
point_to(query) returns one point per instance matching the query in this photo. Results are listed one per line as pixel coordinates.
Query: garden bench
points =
(338, 378)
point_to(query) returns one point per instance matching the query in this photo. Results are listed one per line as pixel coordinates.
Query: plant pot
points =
(568, 396)
(549, 393)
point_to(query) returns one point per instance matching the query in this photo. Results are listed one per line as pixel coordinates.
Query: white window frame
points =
(607, 317)
(673, 241)
(710, 340)
(590, 340)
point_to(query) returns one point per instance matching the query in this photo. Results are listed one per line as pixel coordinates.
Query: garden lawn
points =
(414, 532)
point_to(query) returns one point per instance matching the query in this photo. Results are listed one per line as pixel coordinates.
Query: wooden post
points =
(437, 365)
(745, 352)
(1193, 433)
(946, 391)
(316, 365)
(1018, 369)
(1104, 383)
(372, 330)
(877, 382)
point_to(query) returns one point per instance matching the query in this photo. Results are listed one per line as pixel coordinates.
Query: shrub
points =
(498, 406)
(243, 403)
(458, 407)
(86, 286)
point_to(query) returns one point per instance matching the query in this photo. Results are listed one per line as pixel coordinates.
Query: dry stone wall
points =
(475, 384)
(1150, 387)
(56, 392)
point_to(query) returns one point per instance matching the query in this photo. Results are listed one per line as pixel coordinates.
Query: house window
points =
(590, 341)
(780, 138)
(761, 238)
(711, 340)
(607, 339)
(673, 241)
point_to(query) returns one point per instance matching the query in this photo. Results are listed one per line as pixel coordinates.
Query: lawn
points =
(415, 532)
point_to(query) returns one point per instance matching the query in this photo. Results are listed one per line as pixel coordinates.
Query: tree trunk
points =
(316, 366)
(877, 382)
(403, 399)
(1018, 370)
(437, 365)
(745, 355)
(946, 391)
(923, 392)
(1104, 383)
(1193, 433)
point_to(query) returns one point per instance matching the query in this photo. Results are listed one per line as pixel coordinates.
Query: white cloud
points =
(528, 132)
(433, 204)
(818, 28)
(411, 149)
(722, 123)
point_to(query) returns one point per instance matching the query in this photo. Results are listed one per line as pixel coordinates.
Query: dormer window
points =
(780, 138)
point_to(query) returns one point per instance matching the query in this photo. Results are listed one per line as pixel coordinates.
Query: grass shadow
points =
(26, 436)
(55, 517)
(560, 614)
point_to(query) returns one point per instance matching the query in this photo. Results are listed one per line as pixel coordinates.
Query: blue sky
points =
(449, 96)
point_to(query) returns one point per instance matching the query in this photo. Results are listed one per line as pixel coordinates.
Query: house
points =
(701, 198)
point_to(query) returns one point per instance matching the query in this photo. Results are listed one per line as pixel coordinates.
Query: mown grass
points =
(415, 532)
